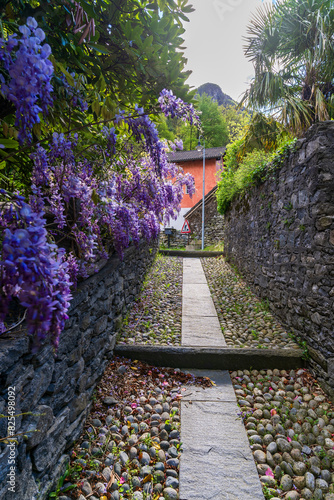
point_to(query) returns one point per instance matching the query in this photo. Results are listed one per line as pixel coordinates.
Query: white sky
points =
(214, 44)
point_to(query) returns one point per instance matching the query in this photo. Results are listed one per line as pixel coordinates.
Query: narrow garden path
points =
(200, 324)
(169, 433)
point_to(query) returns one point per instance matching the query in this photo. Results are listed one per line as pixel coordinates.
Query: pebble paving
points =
(131, 449)
(245, 320)
(290, 426)
(155, 318)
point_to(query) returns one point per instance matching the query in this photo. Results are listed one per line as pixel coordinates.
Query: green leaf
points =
(69, 487)
(184, 17)
(147, 42)
(69, 78)
(9, 143)
(101, 84)
(188, 9)
(99, 48)
(95, 197)
(37, 130)
(96, 107)
(5, 129)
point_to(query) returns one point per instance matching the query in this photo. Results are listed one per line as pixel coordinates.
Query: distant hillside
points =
(214, 91)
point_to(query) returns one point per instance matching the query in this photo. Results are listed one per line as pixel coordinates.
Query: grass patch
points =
(217, 247)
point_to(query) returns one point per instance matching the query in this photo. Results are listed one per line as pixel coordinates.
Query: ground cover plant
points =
(155, 318)
(130, 446)
(82, 169)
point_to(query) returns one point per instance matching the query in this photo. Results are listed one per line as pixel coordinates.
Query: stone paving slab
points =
(197, 290)
(216, 462)
(200, 324)
(198, 307)
(222, 391)
(189, 278)
(202, 331)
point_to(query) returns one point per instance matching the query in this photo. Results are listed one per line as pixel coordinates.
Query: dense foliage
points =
(254, 168)
(215, 128)
(290, 46)
(236, 121)
(78, 144)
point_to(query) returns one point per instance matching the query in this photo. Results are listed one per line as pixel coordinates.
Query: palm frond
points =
(321, 111)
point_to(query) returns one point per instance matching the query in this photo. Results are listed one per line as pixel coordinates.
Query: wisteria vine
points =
(33, 270)
(29, 85)
(73, 204)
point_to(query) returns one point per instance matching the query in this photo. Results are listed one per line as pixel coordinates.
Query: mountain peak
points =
(215, 92)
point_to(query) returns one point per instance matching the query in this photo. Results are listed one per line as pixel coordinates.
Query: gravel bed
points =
(290, 426)
(245, 320)
(131, 445)
(156, 316)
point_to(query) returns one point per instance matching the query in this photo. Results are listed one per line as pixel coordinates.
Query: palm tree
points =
(291, 45)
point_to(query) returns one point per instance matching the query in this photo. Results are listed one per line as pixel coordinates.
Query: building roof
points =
(208, 197)
(182, 156)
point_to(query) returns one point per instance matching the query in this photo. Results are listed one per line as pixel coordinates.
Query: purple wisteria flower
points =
(173, 106)
(28, 85)
(33, 270)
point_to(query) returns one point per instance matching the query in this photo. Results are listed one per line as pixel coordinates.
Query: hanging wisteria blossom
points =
(30, 72)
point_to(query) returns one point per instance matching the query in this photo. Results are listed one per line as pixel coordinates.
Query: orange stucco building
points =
(192, 162)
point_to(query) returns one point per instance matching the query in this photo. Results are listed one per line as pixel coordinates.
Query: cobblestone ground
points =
(156, 316)
(245, 320)
(130, 447)
(290, 426)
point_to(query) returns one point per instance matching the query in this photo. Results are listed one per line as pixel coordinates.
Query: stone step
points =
(190, 253)
(224, 358)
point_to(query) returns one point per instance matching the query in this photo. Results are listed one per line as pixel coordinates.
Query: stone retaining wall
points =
(213, 223)
(281, 238)
(58, 390)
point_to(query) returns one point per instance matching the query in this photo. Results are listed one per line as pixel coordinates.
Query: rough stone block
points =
(69, 340)
(11, 351)
(85, 322)
(78, 405)
(50, 449)
(37, 387)
(58, 401)
(100, 325)
(79, 297)
(331, 237)
(74, 430)
(37, 425)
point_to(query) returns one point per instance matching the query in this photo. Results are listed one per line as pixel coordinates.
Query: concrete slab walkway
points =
(216, 462)
(200, 324)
